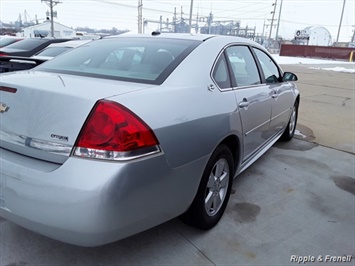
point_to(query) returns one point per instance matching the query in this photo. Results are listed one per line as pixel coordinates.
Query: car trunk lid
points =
(42, 113)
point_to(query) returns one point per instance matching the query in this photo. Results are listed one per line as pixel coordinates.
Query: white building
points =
(314, 36)
(44, 30)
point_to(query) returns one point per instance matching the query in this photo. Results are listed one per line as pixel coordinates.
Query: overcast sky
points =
(99, 14)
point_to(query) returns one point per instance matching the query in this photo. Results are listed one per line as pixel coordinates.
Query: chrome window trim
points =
(238, 87)
(212, 70)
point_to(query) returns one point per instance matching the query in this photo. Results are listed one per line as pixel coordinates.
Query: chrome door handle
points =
(244, 104)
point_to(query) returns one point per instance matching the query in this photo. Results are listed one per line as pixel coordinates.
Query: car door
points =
(253, 98)
(282, 97)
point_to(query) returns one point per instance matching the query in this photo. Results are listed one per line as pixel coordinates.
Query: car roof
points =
(185, 36)
(157, 34)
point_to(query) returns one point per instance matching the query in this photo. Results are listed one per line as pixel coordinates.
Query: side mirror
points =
(288, 76)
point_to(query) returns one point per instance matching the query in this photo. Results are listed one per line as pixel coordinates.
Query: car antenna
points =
(155, 33)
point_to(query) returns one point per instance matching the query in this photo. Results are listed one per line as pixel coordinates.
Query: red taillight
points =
(112, 131)
(3, 54)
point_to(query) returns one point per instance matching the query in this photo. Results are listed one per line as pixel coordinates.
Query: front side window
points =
(271, 71)
(243, 66)
(144, 60)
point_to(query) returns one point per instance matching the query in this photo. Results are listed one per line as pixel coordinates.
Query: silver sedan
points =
(124, 133)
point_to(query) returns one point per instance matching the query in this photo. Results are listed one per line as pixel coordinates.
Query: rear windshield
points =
(7, 41)
(144, 60)
(53, 51)
(27, 44)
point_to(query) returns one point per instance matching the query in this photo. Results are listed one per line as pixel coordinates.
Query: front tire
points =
(213, 193)
(291, 127)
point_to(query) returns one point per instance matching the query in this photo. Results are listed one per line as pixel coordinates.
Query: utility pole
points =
(341, 20)
(262, 35)
(160, 23)
(140, 24)
(196, 25)
(174, 20)
(190, 19)
(278, 22)
(51, 4)
(209, 20)
(273, 18)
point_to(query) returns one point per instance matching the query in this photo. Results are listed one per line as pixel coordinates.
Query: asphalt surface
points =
(296, 203)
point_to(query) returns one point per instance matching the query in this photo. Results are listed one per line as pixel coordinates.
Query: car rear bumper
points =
(90, 202)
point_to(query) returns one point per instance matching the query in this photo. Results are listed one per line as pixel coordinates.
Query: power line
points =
(310, 24)
(133, 7)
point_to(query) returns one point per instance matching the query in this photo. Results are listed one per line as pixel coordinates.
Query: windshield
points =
(145, 60)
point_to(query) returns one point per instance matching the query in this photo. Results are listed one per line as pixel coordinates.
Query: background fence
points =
(343, 53)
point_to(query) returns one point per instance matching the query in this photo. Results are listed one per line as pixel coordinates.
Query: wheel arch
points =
(298, 98)
(233, 143)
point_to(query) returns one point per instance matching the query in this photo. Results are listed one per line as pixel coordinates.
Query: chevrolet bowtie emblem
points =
(4, 108)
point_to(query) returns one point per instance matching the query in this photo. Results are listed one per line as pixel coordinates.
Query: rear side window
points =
(220, 73)
(270, 69)
(144, 60)
(244, 69)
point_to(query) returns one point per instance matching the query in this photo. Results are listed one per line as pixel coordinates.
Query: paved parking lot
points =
(297, 200)
(327, 113)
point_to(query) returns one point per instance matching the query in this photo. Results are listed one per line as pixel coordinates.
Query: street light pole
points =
(341, 20)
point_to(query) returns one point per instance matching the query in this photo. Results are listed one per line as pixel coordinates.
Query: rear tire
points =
(213, 193)
(291, 127)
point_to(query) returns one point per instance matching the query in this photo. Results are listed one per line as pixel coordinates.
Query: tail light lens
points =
(3, 54)
(114, 132)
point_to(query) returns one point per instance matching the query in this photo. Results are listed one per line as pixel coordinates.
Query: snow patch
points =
(290, 60)
(298, 133)
(337, 69)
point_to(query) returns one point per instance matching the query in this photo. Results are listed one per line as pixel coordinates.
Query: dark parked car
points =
(55, 49)
(28, 47)
(16, 63)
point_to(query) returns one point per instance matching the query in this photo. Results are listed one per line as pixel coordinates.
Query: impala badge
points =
(4, 108)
